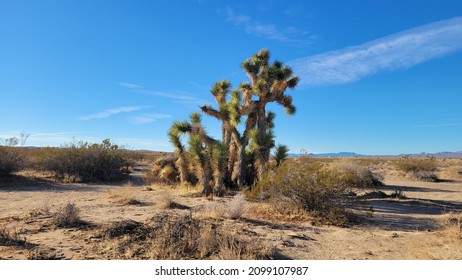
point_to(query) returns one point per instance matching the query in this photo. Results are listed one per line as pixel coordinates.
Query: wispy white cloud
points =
(130, 86)
(439, 125)
(177, 95)
(398, 51)
(111, 112)
(149, 118)
(442, 123)
(269, 31)
(181, 96)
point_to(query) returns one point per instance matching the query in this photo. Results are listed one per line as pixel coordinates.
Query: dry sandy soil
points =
(398, 229)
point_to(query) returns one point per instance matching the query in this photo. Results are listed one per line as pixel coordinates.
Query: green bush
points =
(84, 162)
(420, 168)
(312, 187)
(11, 160)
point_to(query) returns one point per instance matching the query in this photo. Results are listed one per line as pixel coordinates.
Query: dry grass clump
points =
(67, 217)
(166, 200)
(233, 208)
(267, 211)
(422, 169)
(452, 172)
(11, 238)
(177, 237)
(124, 195)
(43, 253)
(312, 187)
(451, 226)
(447, 242)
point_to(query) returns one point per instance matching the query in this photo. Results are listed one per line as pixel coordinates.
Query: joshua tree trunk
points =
(219, 190)
(205, 178)
(263, 152)
(182, 167)
(241, 164)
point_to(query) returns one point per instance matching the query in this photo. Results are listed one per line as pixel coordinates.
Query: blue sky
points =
(377, 77)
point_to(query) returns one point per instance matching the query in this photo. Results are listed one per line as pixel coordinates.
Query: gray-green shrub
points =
(83, 162)
(356, 174)
(311, 187)
(11, 160)
(420, 168)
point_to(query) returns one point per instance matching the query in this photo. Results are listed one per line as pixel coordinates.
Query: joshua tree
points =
(174, 134)
(281, 152)
(200, 149)
(245, 124)
(268, 83)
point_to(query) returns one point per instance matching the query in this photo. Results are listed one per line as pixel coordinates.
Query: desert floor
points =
(398, 229)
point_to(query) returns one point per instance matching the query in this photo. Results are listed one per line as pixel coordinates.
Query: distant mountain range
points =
(341, 154)
(352, 154)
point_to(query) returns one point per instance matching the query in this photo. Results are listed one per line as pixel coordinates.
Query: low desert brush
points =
(233, 208)
(312, 187)
(451, 225)
(178, 237)
(166, 199)
(11, 160)
(355, 175)
(11, 238)
(68, 216)
(124, 195)
(84, 162)
(420, 168)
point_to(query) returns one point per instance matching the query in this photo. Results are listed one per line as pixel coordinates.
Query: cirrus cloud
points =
(398, 51)
(111, 112)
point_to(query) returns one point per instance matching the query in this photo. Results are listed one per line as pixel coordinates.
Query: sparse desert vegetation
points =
(307, 208)
(228, 198)
(422, 169)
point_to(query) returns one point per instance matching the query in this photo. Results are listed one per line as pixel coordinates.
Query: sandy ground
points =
(399, 228)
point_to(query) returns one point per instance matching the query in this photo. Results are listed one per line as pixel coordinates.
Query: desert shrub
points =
(311, 187)
(68, 216)
(420, 168)
(11, 238)
(11, 160)
(84, 162)
(355, 174)
(233, 208)
(124, 195)
(183, 237)
(179, 237)
(451, 225)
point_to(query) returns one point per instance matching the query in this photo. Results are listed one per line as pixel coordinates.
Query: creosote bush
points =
(84, 162)
(420, 168)
(355, 174)
(11, 160)
(311, 187)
